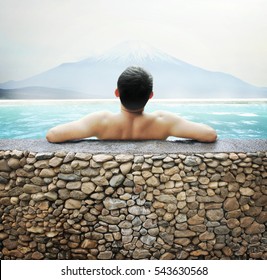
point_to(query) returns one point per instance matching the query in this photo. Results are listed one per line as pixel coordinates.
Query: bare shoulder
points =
(166, 116)
(101, 114)
(97, 116)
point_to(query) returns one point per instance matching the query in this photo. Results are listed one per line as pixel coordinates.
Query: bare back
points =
(138, 127)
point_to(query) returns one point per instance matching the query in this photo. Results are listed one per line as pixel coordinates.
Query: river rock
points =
(89, 244)
(69, 177)
(10, 244)
(124, 157)
(73, 204)
(215, 214)
(42, 156)
(31, 189)
(105, 255)
(102, 158)
(88, 187)
(231, 204)
(184, 233)
(229, 177)
(195, 220)
(221, 230)
(139, 210)
(51, 196)
(241, 178)
(141, 254)
(153, 181)
(125, 168)
(55, 161)
(246, 191)
(167, 256)
(100, 181)
(114, 203)
(116, 180)
(192, 161)
(167, 198)
(15, 191)
(246, 221)
(205, 236)
(13, 163)
(79, 195)
(255, 228)
(148, 239)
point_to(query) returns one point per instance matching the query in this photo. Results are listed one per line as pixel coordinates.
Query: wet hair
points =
(134, 85)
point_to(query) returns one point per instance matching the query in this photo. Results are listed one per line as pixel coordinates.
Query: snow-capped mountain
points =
(135, 52)
(96, 77)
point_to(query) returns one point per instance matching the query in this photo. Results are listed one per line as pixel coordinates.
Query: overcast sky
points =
(218, 35)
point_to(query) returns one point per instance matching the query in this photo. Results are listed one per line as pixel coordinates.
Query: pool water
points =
(32, 119)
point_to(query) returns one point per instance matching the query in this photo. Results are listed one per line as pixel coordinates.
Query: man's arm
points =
(83, 128)
(180, 127)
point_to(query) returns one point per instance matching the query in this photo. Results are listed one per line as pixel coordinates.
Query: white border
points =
(52, 269)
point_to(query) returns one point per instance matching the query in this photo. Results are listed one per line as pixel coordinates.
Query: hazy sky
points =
(219, 35)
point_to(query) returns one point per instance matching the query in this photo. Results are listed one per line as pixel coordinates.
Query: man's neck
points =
(131, 113)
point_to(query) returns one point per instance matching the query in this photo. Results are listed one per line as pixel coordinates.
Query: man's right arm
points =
(83, 128)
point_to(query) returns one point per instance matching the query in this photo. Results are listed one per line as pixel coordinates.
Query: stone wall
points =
(73, 205)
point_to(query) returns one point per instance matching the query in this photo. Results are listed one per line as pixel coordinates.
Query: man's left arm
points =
(180, 127)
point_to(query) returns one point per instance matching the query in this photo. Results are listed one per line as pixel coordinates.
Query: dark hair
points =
(134, 85)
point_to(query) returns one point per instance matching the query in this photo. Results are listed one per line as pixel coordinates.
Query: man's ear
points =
(151, 95)
(117, 94)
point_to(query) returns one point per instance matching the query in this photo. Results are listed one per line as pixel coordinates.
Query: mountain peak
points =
(135, 52)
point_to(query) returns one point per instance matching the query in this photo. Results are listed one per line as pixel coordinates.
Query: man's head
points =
(135, 87)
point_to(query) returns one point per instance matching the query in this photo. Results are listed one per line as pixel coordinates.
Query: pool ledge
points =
(137, 147)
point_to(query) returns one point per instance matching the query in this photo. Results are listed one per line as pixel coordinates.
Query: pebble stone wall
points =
(66, 205)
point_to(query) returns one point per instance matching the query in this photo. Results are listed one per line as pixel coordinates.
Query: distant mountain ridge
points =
(96, 77)
(41, 93)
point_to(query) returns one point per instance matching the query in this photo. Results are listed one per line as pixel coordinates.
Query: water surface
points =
(31, 119)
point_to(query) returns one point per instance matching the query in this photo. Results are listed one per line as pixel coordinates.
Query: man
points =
(134, 88)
